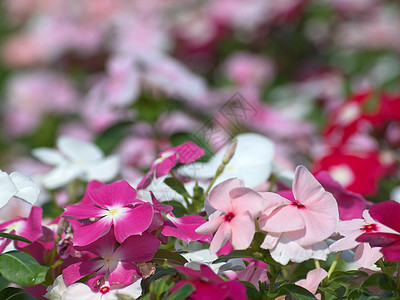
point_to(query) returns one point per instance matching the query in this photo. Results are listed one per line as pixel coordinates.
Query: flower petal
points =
(134, 221)
(278, 220)
(83, 211)
(387, 213)
(78, 150)
(219, 197)
(243, 229)
(87, 234)
(103, 170)
(221, 237)
(49, 156)
(118, 193)
(27, 189)
(306, 189)
(76, 271)
(138, 248)
(7, 188)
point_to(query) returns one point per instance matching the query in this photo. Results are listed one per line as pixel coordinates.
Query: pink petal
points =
(32, 228)
(118, 193)
(93, 184)
(133, 221)
(346, 243)
(387, 213)
(103, 246)
(243, 229)
(184, 228)
(272, 201)
(245, 199)
(83, 211)
(148, 177)
(306, 189)
(366, 256)
(221, 237)
(219, 197)
(76, 271)
(211, 226)
(87, 234)
(283, 219)
(189, 152)
(313, 279)
(317, 228)
(138, 248)
(124, 274)
(165, 166)
(378, 239)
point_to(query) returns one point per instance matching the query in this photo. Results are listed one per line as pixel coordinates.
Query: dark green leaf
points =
(347, 274)
(12, 293)
(382, 280)
(295, 291)
(182, 293)
(112, 136)
(251, 291)
(177, 186)
(172, 257)
(179, 210)
(14, 237)
(21, 268)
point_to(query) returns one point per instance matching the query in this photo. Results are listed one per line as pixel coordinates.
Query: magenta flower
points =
(30, 228)
(113, 206)
(210, 286)
(236, 208)
(387, 213)
(186, 153)
(116, 265)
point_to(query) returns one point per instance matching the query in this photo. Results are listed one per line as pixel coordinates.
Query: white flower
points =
(17, 185)
(81, 291)
(76, 159)
(197, 256)
(251, 163)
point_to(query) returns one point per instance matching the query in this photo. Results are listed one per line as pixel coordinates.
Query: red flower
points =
(387, 213)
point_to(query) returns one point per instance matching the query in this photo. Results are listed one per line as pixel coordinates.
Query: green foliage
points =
(14, 237)
(163, 255)
(181, 293)
(177, 186)
(21, 268)
(12, 293)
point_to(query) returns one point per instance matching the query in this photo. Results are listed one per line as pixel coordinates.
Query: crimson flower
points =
(387, 213)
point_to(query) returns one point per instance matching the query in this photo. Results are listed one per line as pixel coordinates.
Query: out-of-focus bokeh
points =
(320, 78)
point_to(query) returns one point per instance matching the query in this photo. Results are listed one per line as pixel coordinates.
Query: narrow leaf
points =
(14, 237)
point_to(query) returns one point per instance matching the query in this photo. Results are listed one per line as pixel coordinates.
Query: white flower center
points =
(349, 113)
(342, 174)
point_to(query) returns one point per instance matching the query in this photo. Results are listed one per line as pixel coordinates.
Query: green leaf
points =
(382, 280)
(177, 186)
(251, 291)
(14, 237)
(21, 268)
(182, 293)
(12, 293)
(172, 257)
(247, 253)
(347, 274)
(295, 291)
(178, 209)
(112, 136)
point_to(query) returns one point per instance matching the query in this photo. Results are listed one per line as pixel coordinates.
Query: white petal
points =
(103, 170)
(7, 188)
(78, 150)
(27, 189)
(49, 156)
(61, 176)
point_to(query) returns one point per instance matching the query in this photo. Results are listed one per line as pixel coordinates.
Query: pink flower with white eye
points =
(186, 153)
(364, 254)
(112, 206)
(313, 215)
(116, 264)
(312, 281)
(236, 208)
(30, 228)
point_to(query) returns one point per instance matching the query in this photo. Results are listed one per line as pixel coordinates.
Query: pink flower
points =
(387, 213)
(313, 213)
(351, 230)
(186, 153)
(210, 286)
(236, 208)
(30, 228)
(116, 264)
(312, 281)
(114, 206)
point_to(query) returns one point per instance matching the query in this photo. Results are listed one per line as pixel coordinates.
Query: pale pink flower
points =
(313, 216)
(236, 208)
(364, 254)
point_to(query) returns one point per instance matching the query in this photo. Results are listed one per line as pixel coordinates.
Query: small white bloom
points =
(251, 163)
(76, 159)
(17, 185)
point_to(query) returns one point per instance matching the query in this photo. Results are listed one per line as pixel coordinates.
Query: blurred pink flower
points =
(312, 281)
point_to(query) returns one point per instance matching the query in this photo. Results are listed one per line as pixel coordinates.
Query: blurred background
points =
(320, 78)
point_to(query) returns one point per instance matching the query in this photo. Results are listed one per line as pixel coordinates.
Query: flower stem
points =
(184, 198)
(381, 265)
(334, 263)
(317, 264)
